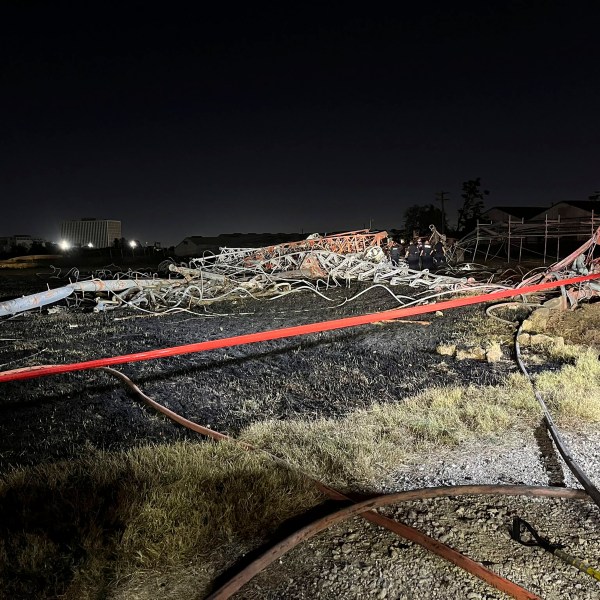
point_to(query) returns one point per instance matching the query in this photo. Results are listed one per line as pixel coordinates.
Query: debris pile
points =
(316, 264)
(579, 262)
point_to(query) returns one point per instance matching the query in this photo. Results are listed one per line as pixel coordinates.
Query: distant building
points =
(100, 233)
(190, 246)
(196, 245)
(504, 214)
(25, 241)
(570, 220)
(570, 209)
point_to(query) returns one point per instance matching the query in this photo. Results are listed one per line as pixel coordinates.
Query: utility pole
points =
(441, 197)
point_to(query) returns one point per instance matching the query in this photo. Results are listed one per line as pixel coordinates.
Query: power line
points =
(441, 197)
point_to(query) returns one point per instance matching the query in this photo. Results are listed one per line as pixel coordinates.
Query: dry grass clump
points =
(573, 393)
(558, 350)
(477, 327)
(199, 493)
(362, 449)
(76, 528)
(580, 326)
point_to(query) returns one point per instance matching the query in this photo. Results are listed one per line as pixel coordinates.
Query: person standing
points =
(413, 256)
(427, 256)
(439, 255)
(395, 254)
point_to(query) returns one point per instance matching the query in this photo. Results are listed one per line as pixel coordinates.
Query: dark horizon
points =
(290, 120)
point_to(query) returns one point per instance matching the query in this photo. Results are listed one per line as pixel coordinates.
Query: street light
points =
(64, 245)
(90, 245)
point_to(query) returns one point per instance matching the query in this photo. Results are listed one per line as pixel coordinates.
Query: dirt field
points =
(327, 375)
(321, 375)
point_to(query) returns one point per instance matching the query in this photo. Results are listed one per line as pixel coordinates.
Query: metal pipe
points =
(19, 305)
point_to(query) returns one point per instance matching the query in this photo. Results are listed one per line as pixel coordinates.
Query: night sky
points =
(182, 120)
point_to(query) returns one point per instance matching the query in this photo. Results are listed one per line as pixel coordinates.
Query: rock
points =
(527, 325)
(540, 339)
(476, 353)
(446, 349)
(539, 318)
(557, 303)
(493, 353)
(524, 339)
(439, 313)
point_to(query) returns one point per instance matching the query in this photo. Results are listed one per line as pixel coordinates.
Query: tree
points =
(472, 207)
(37, 248)
(419, 218)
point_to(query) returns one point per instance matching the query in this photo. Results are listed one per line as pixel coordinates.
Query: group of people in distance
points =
(420, 254)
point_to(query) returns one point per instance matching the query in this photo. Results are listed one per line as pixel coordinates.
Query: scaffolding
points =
(520, 233)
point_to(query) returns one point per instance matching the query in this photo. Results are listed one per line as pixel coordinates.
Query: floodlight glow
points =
(133, 243)
(64, 245)
(90, 245)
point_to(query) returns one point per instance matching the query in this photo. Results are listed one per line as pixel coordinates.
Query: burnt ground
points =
(320, 375)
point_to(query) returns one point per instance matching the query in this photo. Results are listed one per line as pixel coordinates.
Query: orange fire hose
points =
(309, 531)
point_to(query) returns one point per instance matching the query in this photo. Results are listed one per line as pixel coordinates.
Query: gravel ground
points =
(359, 560)
(323, 375)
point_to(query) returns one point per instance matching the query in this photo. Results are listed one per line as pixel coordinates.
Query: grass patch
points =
(119, 521)
(477, 329)
(579, 327)
(573, 393)
(361, 450)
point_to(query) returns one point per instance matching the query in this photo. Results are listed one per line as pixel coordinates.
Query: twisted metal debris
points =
(316, 265)
(579, 262)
